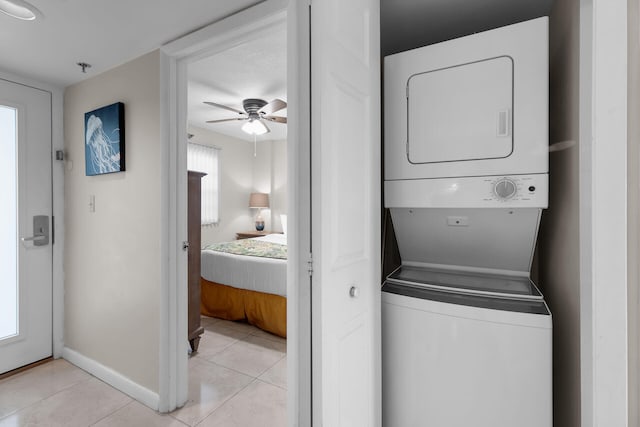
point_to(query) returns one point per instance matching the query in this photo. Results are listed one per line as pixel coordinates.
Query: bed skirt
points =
(266, 311)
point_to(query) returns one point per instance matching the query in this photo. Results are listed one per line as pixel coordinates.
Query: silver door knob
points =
(354, 292)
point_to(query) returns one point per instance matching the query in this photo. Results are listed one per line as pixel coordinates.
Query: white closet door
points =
(345, 144)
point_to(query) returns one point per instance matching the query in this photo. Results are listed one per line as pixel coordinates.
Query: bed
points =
(247, 280)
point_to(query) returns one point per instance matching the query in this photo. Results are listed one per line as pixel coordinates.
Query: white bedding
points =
(247, 272)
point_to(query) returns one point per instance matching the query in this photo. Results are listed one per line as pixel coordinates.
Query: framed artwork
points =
(104, 140)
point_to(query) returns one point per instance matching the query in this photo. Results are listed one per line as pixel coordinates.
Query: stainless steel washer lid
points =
(502, 286)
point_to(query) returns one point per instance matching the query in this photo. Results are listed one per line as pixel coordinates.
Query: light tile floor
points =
(237, 378)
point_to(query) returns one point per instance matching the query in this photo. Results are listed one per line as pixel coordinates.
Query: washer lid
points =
(503, 286)
(477, 239)
(504, 304)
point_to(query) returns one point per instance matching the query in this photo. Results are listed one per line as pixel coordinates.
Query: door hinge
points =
(310, 265)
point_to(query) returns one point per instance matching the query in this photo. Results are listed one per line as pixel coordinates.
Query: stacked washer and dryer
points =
(466, 334)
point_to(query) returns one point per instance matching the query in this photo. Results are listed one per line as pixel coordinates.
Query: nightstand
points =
(250, 234)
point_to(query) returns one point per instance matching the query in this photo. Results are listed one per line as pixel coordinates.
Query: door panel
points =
(479, 94)
(345, 144)
(29, 258)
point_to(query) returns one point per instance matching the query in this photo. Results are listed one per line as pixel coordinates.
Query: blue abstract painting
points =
(104, 140)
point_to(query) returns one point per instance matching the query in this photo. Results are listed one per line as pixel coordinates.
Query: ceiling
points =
(109, 33)
(256, 69)
(103, 33)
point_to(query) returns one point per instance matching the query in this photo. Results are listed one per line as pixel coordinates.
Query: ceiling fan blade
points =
(213, 104)
(226, 120)
(277, 119)
(273, 106)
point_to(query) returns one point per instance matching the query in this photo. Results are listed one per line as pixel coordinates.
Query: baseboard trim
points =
(113, 378)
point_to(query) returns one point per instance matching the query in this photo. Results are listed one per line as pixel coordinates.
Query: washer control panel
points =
(512, 188)
(472, 192)
(505, 188)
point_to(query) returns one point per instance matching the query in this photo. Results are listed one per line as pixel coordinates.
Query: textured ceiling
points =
(256, 69)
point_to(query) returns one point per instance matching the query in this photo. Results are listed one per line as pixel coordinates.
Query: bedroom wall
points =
(278, 182)
(270, 176)
(240, 174)
(559, 238)
(236, 182)
(112, 256)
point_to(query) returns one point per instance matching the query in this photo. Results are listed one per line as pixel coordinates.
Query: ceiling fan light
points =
(19, 9)
(255, 127)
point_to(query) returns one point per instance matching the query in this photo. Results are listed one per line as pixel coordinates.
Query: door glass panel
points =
(8, 224)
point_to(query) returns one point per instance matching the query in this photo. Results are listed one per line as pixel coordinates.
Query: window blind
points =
(201, 158)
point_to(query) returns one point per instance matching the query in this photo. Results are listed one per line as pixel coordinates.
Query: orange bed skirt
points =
(266, 311)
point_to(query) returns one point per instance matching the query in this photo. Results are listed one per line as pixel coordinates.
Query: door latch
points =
(40, 231)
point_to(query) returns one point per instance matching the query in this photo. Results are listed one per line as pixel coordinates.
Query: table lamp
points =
(259, 201)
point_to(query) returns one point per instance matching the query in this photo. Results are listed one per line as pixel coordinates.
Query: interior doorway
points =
(252, 24)
(237, 135)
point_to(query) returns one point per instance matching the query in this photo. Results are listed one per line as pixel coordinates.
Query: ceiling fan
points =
(256, 112)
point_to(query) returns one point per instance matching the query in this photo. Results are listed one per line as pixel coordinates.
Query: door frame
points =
(603, 213)
(175, 56)
(57, 193)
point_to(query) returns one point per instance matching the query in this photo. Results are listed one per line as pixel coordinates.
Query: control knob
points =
(505, 188)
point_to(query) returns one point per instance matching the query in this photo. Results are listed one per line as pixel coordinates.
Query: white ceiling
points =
(103, 33)
(106, 33)
(256, 69)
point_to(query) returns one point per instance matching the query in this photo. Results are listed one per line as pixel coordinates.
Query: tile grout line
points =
(225, 401)
(221, 403)
(49, 396)
(131, 400)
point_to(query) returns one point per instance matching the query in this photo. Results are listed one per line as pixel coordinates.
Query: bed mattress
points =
(254, 273)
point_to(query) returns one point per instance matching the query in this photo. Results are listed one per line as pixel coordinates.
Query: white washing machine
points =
(466, 335)
(461, 359)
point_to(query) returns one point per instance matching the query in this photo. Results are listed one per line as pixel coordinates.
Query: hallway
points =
(238, 378)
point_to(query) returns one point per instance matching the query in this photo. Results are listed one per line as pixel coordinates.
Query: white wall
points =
(270, 176)
(112, 259)
(279, 199)
(633, 195)
(559, 244)
(240, 174)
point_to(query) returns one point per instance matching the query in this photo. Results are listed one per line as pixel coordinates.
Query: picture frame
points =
(104, 143)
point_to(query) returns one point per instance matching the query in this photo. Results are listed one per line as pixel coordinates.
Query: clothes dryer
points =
(473, 106)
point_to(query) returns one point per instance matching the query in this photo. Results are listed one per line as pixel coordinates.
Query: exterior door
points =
(345, 151)
(25, 221)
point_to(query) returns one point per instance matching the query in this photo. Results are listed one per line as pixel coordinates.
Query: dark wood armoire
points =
(193, 234)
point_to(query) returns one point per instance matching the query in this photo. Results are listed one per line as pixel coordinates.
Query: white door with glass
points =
(345, 143)
(25, 224)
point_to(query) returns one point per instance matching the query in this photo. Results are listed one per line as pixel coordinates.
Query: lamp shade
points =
(259, 200)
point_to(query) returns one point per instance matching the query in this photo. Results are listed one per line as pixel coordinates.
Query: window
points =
(202, 158)
(8, 223)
